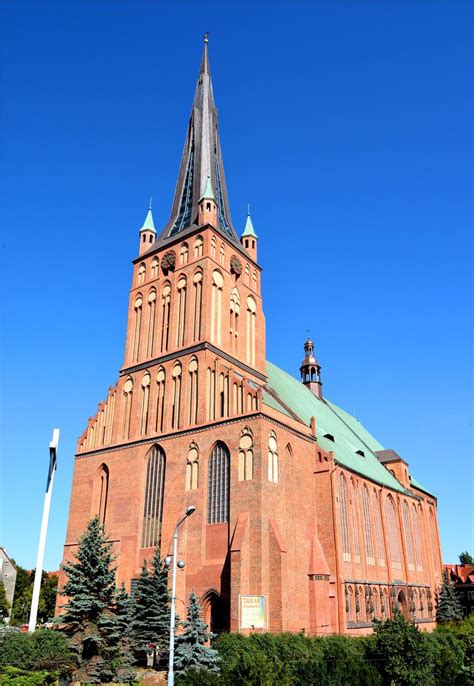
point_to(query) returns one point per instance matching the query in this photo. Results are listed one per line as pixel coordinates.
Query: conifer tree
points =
(448, 607)
(90, 618)
(191, 649)
(151, 609)
(466, 558)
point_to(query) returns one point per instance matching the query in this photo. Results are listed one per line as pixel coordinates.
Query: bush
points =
(11, 676)
(43, 650)
(198, 677)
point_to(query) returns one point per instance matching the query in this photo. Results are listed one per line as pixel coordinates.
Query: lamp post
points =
(53, 447)
(189, 511)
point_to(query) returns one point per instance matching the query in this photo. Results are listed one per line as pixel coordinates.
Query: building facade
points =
(303, 520)
(462, 578)
(7, 577)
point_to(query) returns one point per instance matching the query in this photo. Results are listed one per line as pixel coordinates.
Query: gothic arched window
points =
(165, 316)
(378, 529)
(344, 518)
(192, 468)
(127, 407)
(145, 403)
(251, 329)
(154, 495)
(408, 536)
(181, 315)
(234, 318)
(218, 485)
(216, 307)
(155, 264)
(417, 537)
(176, 398)
(272, 457)
(198, 243)
(193, 390)
(151, 322)
(137, 327)
(141, 273)
(245, 466)
(355, 520)
(369, 543)
(160, 399)
(392, 532)
(213, 247)
(183, 254)
(103, 491)
(197, 305)
(222, 254)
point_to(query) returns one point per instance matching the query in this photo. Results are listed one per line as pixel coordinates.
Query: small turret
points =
(249, 238)
(311, 371)
(147, 232)
(207, 206)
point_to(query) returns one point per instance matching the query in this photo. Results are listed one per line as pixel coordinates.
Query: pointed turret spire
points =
(311, 370)
(201, 162)
(249, 237)
(147, 232)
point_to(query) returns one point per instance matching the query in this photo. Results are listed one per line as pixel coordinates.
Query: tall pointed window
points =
(211, 394)
(216, 307)
(417, 537)
(154, 495)
(344, 518)
(193, 391)
(251, 327)
(155, 264)
(392, 532)
(141, 273)
(151, 323)
(160, 399)
(234, 319)
(145, 403)
(369, 543)
(378, 529)
(197, 305)
(213, 247)
(355, 521)
(222, 254)
(183, 254)
(127, 407)
(434, 540)
(408, 536)
(218, 485)
(192, 467)
(181, 315)
(137, 327)
(272, 457)
(176, 399)
(223, 395)
(254, 280)
(245, 466)
(165, 316)
(247, 274)
(198, 246)
(103, 491)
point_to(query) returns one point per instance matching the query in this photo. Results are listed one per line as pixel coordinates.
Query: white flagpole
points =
(53, 446)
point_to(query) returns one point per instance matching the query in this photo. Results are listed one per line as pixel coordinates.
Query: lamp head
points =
(190, 510)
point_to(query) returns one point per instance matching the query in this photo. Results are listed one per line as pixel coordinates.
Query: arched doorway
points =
(213, 611)
(402, 604)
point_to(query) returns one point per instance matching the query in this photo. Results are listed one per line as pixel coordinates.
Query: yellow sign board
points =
(252, 612)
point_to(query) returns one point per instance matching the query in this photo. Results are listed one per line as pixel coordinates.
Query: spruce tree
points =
(448, 607)
(151, 609)
(466, 558)
(191, 649)
(89, 616)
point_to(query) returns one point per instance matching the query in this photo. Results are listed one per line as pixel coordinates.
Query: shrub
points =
(43, 650)
(198, 677)
(12, 676)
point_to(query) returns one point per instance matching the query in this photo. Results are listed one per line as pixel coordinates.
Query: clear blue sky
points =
(346, 125)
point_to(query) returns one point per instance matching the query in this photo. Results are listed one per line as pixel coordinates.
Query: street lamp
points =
(53, 447)
(189, 511)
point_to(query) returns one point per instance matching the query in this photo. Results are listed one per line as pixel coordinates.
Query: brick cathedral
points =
(303, 520)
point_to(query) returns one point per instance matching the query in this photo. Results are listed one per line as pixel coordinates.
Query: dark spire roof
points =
(202, 158)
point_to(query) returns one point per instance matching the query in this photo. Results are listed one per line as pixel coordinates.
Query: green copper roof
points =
(249, 230)
(149, 224)
(207, 193)
(349, 434)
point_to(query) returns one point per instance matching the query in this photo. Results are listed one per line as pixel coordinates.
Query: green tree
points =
(400, 653)
(466, 559)
(448, 607)
(90, 617)
(24, 592)
(191, 649)
(4, 604)
(151, 610)
(44, 649)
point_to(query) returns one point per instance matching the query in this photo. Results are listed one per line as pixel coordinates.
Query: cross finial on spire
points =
(149, 206)
(206, 36)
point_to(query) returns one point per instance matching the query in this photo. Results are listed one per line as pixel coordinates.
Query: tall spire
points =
(201, 162)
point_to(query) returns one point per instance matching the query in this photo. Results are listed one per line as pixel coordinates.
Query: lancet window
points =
(151, 323)
(251, 329)
(213, 247)
(378, 529)
(137, 327)
(183, 254)
(245, 465)
(272, 457)
(222, 254)
(154, 495)
(408, 536)
(392, 532)
(141, 273)
(218, 485)
(369, 543)
(211, 394)
(160, 399)
(165, 316)
(193, 391)
(146, 381)
(223, 395)
(176, 398)
(216, 307)
(254, 280)
(198, 246)
(103, 491)
(192, 468)
(127, 407)
(197, 305)
(234, 319)
(155, 264)
(355, 521)
(247, 274)
(434, 539)
(181, 314)
(417, 538)
(344, 518)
